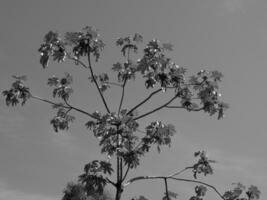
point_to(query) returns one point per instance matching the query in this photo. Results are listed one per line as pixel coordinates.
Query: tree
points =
(116, 129)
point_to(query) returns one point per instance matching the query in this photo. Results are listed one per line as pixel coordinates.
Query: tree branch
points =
(76, 60)
(181, 171)
(189, 109)
(111, 182)
(97, 86)
(199, 182)
(68, 106)
(158, 108)
(173, 178)
(122, 95)
(126, 173)
(92, 74)
(166, 188)
(144, 101)
(112, 83)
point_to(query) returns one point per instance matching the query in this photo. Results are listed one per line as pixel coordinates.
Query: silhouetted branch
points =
(150, 112)
(144, 101)
(63, 106)
(97, 86)
(111, 182)
(180, 172)
(126, 173)
(122, 95)
(166, 188)
(173, 178)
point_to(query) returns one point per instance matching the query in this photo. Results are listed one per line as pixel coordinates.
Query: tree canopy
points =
(117, 127)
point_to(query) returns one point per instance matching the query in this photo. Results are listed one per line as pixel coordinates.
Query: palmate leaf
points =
(74, 191)
(51, 37)
(52, 46)
(11, 98)
(106, 167)
(96, 166)
(20, 78)
(18, 93)
(62, 120)
(93, 183)
(137, 38)
(90, 124)
(200, 190)
(141, 197)
(117, 67)
(44, 59)
(59, 55)
(92, 178)
(203, 164)
(53, 81)
(72, 38)
(216, 75)
(253, 192)
(170, 195)
(91, 32)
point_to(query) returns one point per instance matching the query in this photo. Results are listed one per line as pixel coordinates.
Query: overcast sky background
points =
(225, 35)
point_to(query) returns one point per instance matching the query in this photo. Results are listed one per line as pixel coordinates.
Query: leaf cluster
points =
(77, 191)
(171, 195)
(61, 120)
(103, 80)
(252, 193)
(17, 93)
(200, 192)
(61, 86)
(52, 46)
(203, 164)
(117, 135)
(85, 42)
(93, 179)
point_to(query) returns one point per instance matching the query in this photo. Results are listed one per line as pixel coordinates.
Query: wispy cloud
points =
(11, 194)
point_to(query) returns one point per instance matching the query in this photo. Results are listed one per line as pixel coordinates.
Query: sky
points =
(225, 35)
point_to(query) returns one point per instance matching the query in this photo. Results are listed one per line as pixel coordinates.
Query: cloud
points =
(12, 194)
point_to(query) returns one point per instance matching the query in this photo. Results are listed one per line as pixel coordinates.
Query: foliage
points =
(118, 131)
(252, 193)
(76, 191)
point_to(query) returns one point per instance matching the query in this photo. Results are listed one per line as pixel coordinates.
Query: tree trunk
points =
(118, 193)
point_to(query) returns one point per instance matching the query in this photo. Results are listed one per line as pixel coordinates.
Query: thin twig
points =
(76, 60)
(189, 109)
(63, 106)
(180, 172)
(113, 83)
(156, 109)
